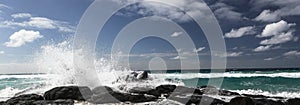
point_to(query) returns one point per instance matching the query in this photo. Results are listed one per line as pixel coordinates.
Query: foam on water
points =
(266, 93)
(230, 74)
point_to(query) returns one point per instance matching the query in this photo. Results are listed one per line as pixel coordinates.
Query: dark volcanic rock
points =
(143, 75)
(103, 94)
(267, 102)
(26, 99)
(197, 100)
(241, 101)
(294, 101)
(255, 96)
(228, 93)
(209, 90)
(54, 102)
(68, 92)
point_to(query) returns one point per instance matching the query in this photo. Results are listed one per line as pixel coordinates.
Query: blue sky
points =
(258, 33)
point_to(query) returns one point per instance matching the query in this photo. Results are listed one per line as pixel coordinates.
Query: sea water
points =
(55, 63)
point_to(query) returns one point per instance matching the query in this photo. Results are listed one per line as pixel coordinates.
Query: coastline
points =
(162, 94)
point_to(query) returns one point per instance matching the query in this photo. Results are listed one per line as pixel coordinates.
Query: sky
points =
(258, 33)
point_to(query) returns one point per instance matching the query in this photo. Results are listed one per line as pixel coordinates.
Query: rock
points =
(241, 101)
(55, 102)
(267, 102)
(116, 97)
(187, 90)
(197, 100)
(209, 90)
(294, 101)
(143, 75)
(26, 99)
(255, 96)
(104, 94)
(69, 92)
(165, 89)
(228, 93)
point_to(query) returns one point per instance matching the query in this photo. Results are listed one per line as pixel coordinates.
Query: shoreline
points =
(162, 94)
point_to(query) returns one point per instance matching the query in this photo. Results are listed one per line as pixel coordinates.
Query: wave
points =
(228, 75)
(267, 93)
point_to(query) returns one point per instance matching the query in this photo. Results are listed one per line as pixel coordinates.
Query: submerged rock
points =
(26, 99)
(69, 92)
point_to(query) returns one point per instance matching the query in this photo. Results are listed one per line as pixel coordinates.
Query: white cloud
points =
(230, 54)
(262, 48)
(176, 34)
(285, 8)
(292, 53)
(22, 37)
(38, 23)
(268, 16)
(153, 9)
(199, 49)
(235, 33)
(223, 11)
(21, 15)
(269, 59)
(278, 39)
(276, 28)
(2, 52)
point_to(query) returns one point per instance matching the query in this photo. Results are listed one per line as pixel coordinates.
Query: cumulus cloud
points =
(276, 28)
(276, 33)
(38, 23)
(262, 48)
(176, 34)
(199, 49)
(194, 7)
(223, 11)
(22, 37)
(21, 15)
(285, 8)
(268, 16)
(278, 39)
(292, 53)
(236, 33)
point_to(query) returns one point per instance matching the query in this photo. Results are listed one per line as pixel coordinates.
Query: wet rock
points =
(143, 75)
(209, 90)
(267, 102)
(103, 94)
(55, 102)
(294, 101)
(197, 100)
(241, 101)
(26, 99)
(228, 93)
(187, 90)
(255, 96)
(69, 92)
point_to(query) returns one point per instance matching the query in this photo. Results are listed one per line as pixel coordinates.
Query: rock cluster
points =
(67, 95)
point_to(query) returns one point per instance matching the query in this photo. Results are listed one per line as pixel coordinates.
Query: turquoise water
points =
(266, 82)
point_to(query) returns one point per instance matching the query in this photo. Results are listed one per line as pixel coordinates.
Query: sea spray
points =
(56, 60)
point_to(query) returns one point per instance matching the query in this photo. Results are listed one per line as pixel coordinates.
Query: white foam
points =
(266, 93)
(231, 75)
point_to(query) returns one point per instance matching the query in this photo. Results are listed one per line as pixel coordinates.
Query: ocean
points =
(269, 82)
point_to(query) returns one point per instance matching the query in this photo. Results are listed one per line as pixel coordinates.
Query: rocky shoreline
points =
(163, 94)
